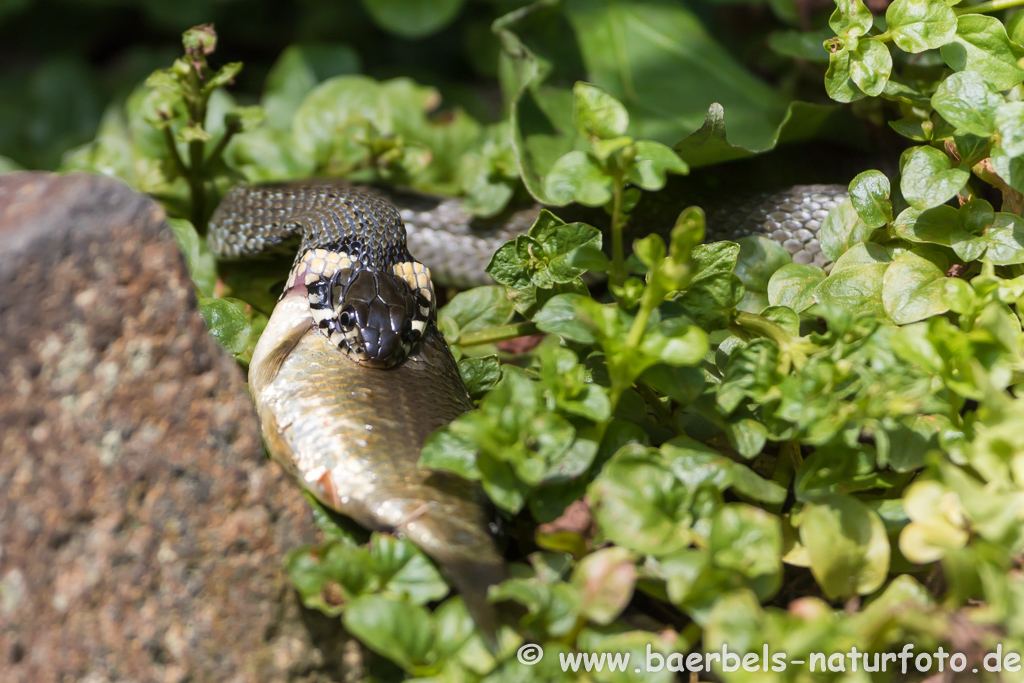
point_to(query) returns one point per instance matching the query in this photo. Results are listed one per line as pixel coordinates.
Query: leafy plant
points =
(721, 447)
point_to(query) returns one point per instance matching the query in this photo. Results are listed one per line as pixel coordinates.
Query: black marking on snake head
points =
(370, 313)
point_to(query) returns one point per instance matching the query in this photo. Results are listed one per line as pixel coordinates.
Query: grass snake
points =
(351, 374)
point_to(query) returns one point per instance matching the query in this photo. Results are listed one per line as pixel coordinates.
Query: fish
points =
(351, 435)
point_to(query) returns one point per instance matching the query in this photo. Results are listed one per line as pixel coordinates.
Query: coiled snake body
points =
(351, 374)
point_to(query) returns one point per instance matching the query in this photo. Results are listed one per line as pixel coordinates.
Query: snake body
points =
(456, 246)
(357, 302)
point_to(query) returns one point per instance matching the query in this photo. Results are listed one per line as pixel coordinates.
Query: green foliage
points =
(339, 572)
(721, 446)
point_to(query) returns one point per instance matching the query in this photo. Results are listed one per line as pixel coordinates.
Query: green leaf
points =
(847, 545)
(1015, 28)
(1009, 121)
(758, 260)
(835, 468)
(188, 241)
(448, 450)
(794, 285)
(296, 72)
(855, 282)
(675, 342)
(598, 114)
(747, 540)
(612, 46)
(982, 46)
(245, 118)
(605, 581)
(413, 18)
(915, 129)
(639, 505)
(842, 229)
(480, 374)
(653, 161)
(1005, 240)
(870, 66)
(553, 605)
(1009, 168)
(265, 154)
(558, 316)
(578, 177)
(541, 263)
(404, 571)
(8, 165)
(616, 40)
(682, 384)
(327, 577)
(869, 193)
(710, 144)
(912, 289)
(900, 92)
(199, 40)
(571, 387)
(800, 45)
(353, 123)
(919, 25)
(839, 82)
(928, 179)
(935, 225)
(488, 174)
(968, 102)
(650, 250)
(850, 18)
(402, 632)
(696, 465)
(976, 218)
(479, 308)
(224, 76)
(227, 322)
(972, 148)
(192, 134)
(559, 242)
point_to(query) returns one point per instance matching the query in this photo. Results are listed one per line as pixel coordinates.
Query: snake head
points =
(375, 316)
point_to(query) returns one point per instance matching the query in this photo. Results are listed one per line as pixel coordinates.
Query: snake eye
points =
(347, 319)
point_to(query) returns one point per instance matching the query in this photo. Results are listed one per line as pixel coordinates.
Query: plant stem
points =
(195, 183)
(493, 335)
(618, 260)
(221, 145)
(992, 6)
(196, 105)
(179, 164)
(662, 413)
(648, 303)
(794, 349)
(762, 327)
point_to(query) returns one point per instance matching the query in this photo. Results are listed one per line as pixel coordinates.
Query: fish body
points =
(351, 435)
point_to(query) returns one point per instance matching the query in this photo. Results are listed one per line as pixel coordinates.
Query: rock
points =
(142, 529)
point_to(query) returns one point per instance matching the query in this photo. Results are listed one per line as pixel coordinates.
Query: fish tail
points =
(473, 578)
(466, 553)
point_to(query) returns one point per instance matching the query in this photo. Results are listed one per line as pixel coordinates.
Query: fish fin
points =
(473, 579)
(466, 553)
(263, 374)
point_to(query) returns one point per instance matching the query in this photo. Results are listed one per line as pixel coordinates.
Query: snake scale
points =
(351, 373)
